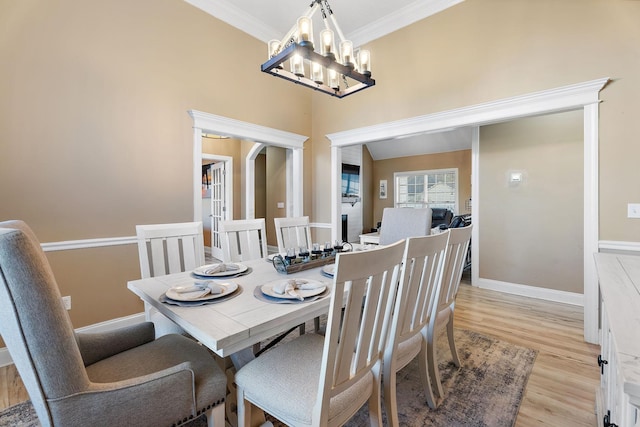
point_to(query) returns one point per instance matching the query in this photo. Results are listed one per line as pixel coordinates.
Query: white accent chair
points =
(122, 377)
(243, 239)
(400, 223)
(323, 381)
(420, 282)
(293, 233)
(167, 249)
(444, 311)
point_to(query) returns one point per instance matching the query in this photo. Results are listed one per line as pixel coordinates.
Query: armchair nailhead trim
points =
(199, 412)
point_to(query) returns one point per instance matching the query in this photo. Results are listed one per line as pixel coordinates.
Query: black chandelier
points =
(335, 73)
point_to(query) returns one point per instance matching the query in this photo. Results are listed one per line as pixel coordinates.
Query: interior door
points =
(218, 206)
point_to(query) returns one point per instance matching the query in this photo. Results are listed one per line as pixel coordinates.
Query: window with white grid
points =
(431, 188)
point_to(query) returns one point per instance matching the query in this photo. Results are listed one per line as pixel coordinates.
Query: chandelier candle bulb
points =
(305, 31)
(274, 49)
(297, 65)
(365, 62)
(327, 47)
(316, 73)
(346, 52)
(333, 81)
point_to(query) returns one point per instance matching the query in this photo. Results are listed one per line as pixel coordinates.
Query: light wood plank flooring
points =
(561, 388)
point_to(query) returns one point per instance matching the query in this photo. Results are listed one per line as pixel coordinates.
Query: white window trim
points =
(426, 172)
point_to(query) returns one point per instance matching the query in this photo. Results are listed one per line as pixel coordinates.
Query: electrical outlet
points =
(67, 302)
(633, 210)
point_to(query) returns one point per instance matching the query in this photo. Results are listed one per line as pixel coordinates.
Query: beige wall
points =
(94, 131)
(367, 190)
(384, 169)
(276, 183)
(261, 186)
(479, 51)
(532, 233)
(95, 95)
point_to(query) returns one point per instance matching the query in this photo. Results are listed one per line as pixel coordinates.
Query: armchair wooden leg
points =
(215, 416)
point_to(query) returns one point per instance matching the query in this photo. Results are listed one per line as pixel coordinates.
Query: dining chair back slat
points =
(292, 233)
(243, 239)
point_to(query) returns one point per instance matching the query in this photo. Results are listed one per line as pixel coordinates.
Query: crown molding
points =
(236, 17)
(401, 18)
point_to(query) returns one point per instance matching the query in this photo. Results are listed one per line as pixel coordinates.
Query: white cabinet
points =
(618, 399)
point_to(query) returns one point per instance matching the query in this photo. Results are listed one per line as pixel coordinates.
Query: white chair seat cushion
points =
(288, 391)
(407, 350)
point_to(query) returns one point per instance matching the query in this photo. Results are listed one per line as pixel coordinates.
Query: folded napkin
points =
(199, 289)
(291, 287)
(220, 268)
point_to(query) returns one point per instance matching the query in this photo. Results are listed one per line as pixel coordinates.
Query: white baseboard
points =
(532, 291)
(109, 325)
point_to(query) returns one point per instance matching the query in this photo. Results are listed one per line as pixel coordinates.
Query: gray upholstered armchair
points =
(119, 378)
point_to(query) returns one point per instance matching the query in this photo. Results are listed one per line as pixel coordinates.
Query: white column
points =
(591, 226)
(475, 198)
(297, 183)
(197, 174)
(336, 196)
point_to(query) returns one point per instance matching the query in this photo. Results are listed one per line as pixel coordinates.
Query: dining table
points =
(243, 318)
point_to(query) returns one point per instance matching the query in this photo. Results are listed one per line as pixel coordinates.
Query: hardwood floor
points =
(561, 388)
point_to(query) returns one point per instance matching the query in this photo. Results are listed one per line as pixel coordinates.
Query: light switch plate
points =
(280, 205)
(633, 210)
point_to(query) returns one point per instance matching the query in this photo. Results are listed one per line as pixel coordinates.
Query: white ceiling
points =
(429, 143)
(361, 21)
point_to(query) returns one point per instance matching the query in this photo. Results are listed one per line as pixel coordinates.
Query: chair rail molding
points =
(615, 245)
(572, 97)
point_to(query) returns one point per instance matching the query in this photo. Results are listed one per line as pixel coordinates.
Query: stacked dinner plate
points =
(206, 288)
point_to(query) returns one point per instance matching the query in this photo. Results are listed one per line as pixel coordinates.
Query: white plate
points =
(201, 271)
(267, 289)
(329, 269)
(229, 287)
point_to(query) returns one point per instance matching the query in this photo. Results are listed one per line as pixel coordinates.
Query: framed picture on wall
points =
(383, 188)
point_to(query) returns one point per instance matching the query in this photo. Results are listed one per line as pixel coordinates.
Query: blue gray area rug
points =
(485, 391)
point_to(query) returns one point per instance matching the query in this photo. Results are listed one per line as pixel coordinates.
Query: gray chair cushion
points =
(300, 377)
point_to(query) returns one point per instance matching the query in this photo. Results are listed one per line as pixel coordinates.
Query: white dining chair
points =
(167, 249)
(323, 381)
(243, 239)
(293, 233)
(400, 223)
(444, 311)
(420, 281)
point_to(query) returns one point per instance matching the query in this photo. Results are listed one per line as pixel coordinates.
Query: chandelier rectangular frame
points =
(293, 47)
